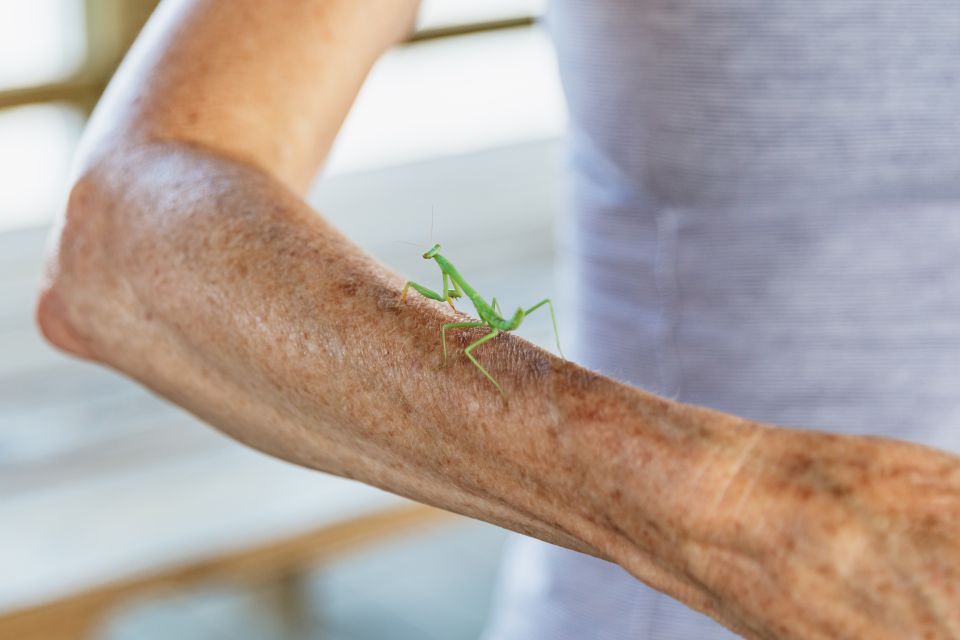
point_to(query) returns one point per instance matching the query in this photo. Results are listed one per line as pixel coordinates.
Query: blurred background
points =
(121, 516)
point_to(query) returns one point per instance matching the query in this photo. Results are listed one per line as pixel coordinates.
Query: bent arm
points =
(188, 260)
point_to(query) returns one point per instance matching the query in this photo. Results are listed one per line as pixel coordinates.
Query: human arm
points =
(189, 261)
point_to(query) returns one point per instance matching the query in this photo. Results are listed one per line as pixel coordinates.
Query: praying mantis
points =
(489, 312)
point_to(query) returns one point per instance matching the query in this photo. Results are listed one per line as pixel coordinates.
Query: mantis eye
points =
(432, 252)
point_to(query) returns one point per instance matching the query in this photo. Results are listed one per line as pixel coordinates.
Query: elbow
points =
(72, 291)
(136, 220)
(129, 219)
(53, 321)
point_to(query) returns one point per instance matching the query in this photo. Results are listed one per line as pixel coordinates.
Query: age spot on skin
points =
(349, 288)
(798, 464)
(840, 490)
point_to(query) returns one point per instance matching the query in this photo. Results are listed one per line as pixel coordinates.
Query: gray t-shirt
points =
(765, 219)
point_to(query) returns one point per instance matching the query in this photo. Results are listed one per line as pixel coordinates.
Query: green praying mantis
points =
(454, 286)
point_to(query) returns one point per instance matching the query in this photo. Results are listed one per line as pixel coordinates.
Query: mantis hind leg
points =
(476, 344)
(454, 325)
(556, 334)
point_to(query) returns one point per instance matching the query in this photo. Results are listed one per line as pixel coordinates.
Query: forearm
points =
(229, 296)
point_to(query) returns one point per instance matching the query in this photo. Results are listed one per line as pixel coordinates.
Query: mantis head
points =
(432, 252)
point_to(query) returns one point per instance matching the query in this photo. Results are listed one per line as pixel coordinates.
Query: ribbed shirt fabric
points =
(765, 219)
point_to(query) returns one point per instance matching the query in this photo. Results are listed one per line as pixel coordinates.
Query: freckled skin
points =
(188, 260)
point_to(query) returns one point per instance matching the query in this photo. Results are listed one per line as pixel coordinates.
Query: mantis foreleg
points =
(451, 291)
(447, 292)
(457, 291)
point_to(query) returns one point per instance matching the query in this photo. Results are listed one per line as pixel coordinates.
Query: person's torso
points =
(766, 205)
(765, 219)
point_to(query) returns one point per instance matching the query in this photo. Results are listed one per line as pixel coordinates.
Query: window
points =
(55, 58)
(476, 74)
(43, 41)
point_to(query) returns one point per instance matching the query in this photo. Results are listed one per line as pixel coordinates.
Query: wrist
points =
(676, 475)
